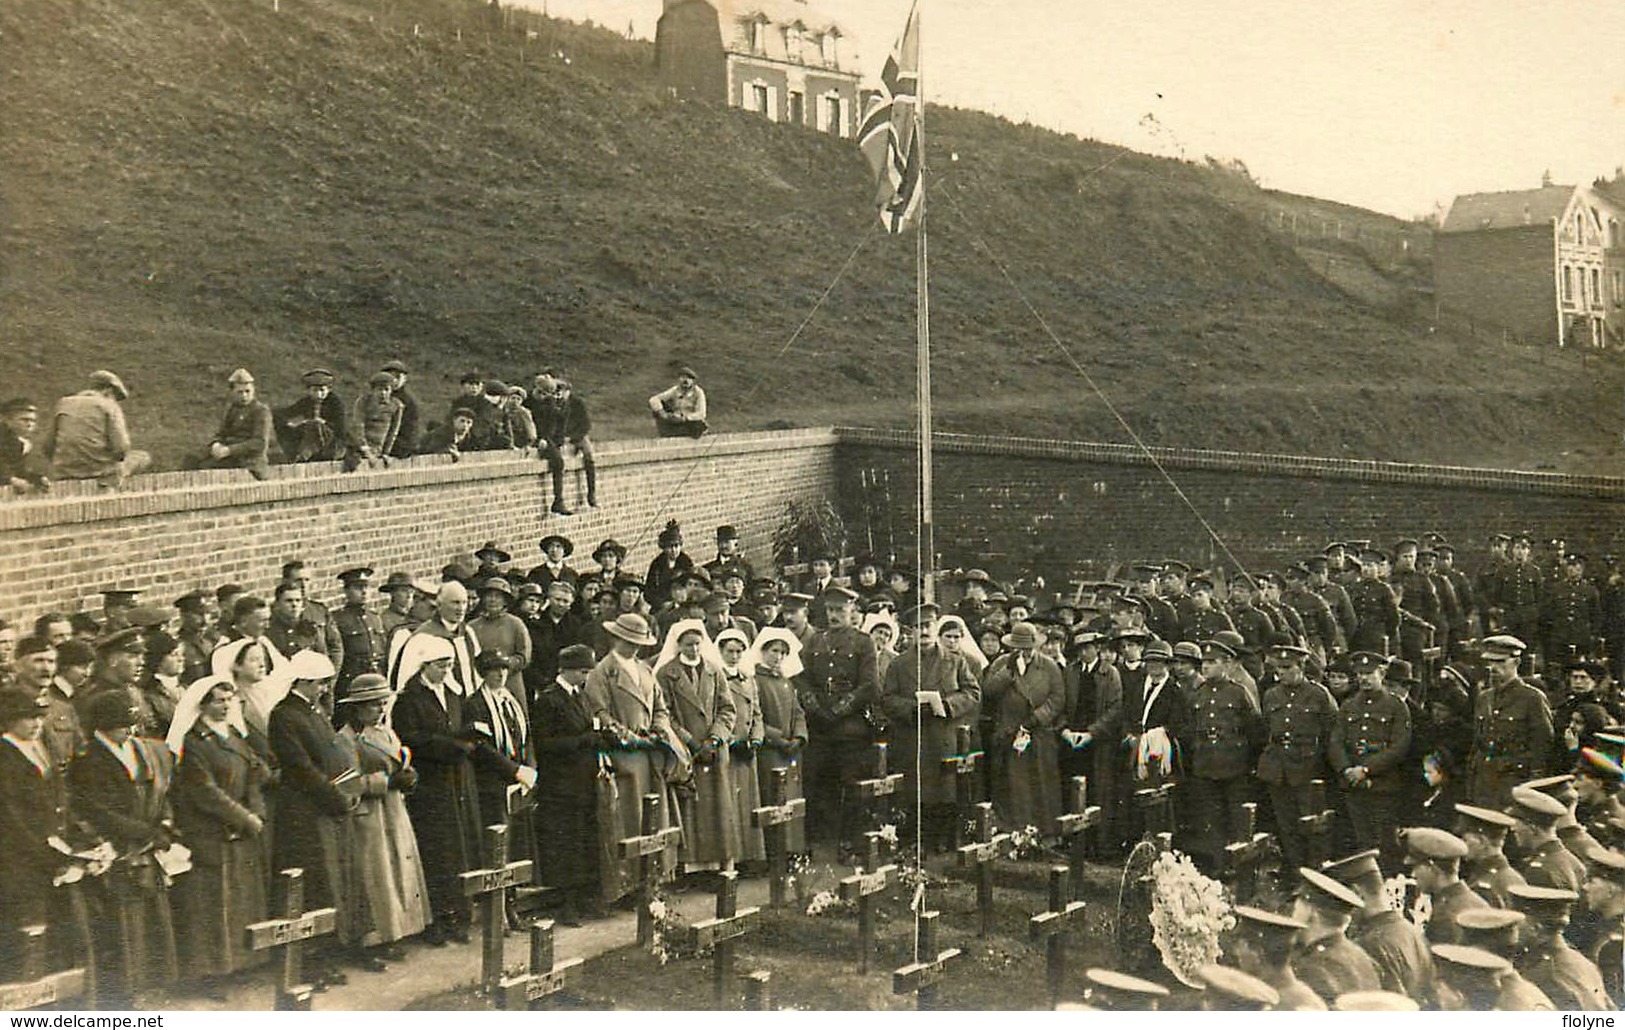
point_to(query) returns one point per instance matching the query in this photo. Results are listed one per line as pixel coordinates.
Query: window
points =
(758, 98)
(798, 108)
(757, 36)
(1579, 228)
(793, 42)
(1619, 288)
(833, 122)
(1582, 286)
(1596, 287)
(1568, 284)
(831, 45)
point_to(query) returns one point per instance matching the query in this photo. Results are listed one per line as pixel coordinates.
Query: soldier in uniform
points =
(1321, 634)
(1418, 597)
(1175, 591)
(1451, 625)
(197, 638)
(1160, 617)
(1571, 980)
(1300, 717)
(1569, 616)
(1496, 930)
(1434, 857)
(1327, 961)
(315, 612)
(1202, 618)
(1491, 577)
(1286, 619)
(292, 628)
(840, 684)
(1486, 869)
(1257, 629)
(1223, 736)
(1522, 586)
(1545, 861)
(1335, 595)
(1369, 745)
(401, 611)
(1466, 595)
(1263, 946)
(1469, 978)
(1512, 727)
(361, 632)
(1394, 943)
(1376, 610)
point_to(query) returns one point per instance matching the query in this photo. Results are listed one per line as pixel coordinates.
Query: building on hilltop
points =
(779, 58)
(1543, 266)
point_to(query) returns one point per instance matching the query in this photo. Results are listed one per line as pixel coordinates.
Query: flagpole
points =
(922, 335)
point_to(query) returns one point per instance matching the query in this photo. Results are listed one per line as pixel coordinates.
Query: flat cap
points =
(109, 380)
(240, 376)
(1425, 843)
(1237, 990)
(381, 379)
(576, 656)
(1352, 868)
(1484, 818)
(1534, 807)
(1502, 645)
(318, 377)
(397, 365)
(1373, 1001)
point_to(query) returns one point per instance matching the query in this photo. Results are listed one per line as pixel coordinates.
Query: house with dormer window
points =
(1544, 266)
(782, 59)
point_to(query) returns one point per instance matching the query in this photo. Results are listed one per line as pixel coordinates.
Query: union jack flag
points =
(890, 133)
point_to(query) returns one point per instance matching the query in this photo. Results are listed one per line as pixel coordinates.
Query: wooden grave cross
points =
(962, 764)
(1052, 926)
(1317, 825)
(1156, 805)
(923, 974)
(290, 933)
(1072, 827)
(491, 887)
(863, 887)
(980, 853)
(879, 789)
(547, 975)
(38, 988)
(647, 848)
(721, 933)
(1242, 858)
(775, 821)
(758, 990)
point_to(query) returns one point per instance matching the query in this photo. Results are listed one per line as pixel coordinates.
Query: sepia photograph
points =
(588, 506)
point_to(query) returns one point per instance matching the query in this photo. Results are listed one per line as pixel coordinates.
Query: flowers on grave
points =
(1189, 912)
(1025, 843)
(823, 902)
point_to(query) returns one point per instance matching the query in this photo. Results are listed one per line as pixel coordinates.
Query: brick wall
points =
(1502, 278)
(1062, 508)
(173, 532)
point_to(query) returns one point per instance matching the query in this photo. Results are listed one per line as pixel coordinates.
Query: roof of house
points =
(1511, 209)
(781, 12)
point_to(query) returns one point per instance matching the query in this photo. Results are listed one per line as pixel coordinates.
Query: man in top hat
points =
(729, 556)
(1522, 587)
(1512, 726)
(18, 471)
(1221, 740)
(1376, 608)
(1434, 857)
(314, 427)
(1327, 961)
(841, 690)
(1299, 717)
(1369, 745)
(1263, 944)
(406, 435)
(1496, 930)
(87, 437)
(1567, 977)
(1394, 943)
(243, 440)
(1570, 614)
(679, 410)
(1545, 861)
(498, 629)
(364, 643)
(567, 740)
(1486, 869)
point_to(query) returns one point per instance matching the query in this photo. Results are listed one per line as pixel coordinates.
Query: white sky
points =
(1388, 104)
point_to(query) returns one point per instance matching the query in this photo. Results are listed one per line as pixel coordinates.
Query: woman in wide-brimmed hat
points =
(1026, 692)
(391, 868)
(641, 752)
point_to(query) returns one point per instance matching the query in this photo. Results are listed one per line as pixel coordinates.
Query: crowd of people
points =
(161, 760)
(86, 437)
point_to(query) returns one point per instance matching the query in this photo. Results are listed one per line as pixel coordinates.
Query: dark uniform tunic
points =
(1567, 977)
(1512, 735)
(1493, 879)
(1319, 624)
(1333, 966)
(1376, 617)
(1521, 587)
(1400, 951)
(1374, 731)
(1447, 904)
(1220, 740)
(364, 643)
(839, 687)
(1551, 865)
(1568, 620)
(1298, 724)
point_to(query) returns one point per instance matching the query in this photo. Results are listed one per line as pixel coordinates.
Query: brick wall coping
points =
(1505, 480)
(74, 503)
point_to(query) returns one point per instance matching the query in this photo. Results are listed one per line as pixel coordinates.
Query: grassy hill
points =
(193, 185)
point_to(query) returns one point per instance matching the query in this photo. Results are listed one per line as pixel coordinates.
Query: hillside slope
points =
(191, 185)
